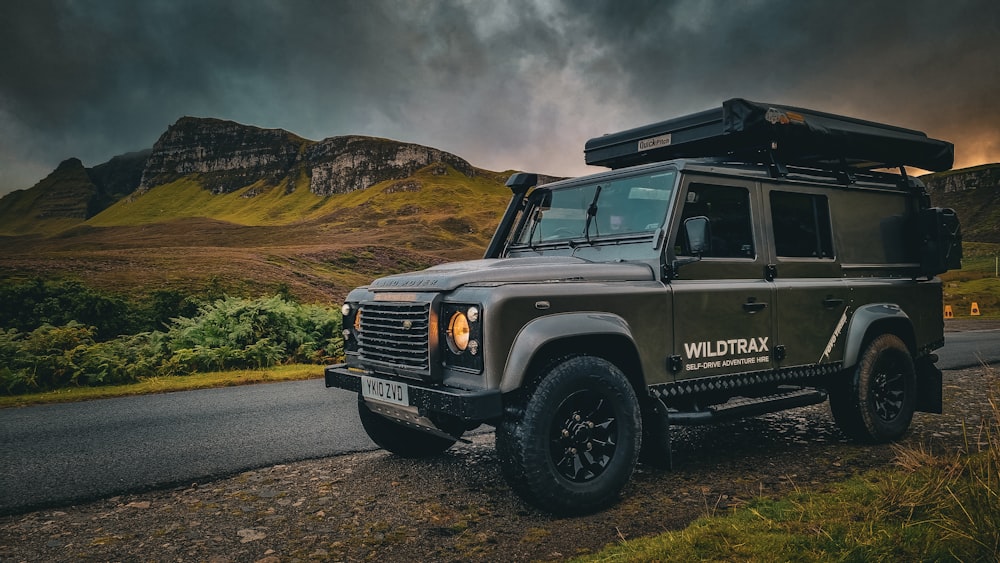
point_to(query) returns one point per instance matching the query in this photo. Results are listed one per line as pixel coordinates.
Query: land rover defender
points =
(742, 260)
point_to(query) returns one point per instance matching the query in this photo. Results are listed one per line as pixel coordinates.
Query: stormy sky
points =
(515, 84)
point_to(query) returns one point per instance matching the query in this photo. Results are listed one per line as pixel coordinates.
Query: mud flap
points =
(929, 386)
(658, 454)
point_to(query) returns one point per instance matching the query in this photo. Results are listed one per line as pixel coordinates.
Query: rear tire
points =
(398, 439)
(877, 403)
(571, 446)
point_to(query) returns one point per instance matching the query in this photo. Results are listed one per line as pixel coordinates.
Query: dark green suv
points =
(742, 260)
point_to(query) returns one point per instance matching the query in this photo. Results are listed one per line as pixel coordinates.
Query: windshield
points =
(618, 207)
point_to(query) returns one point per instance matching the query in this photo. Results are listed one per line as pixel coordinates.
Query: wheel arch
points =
(874, 319)
(547, 339)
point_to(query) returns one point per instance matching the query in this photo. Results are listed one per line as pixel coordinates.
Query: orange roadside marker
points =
(947, 312)
(975, 309)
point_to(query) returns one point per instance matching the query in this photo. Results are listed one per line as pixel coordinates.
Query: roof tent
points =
(754, 132)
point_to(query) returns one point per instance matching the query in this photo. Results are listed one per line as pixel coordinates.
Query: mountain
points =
(974, 193)
(70, 195)
(216, 204)
(219, 157)
(116, 179)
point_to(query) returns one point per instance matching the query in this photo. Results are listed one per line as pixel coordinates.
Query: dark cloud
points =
(503, 84)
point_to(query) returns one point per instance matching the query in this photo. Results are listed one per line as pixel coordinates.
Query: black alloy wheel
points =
(875, 402)
(571, 444)
(583, 436)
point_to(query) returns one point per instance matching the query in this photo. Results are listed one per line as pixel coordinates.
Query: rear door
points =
(722, 304)
(811, 308)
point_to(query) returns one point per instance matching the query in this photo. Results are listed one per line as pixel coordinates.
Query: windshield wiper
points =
(534, 224)
(591, 213)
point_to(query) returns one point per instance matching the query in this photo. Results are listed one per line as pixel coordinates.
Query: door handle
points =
(752, 306)
(831, 302)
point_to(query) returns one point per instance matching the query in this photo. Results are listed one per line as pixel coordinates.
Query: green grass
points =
(886, 515)
(21, 209)
(186, 198)
(976, 282)
(451, 193)
(168, 384)
(929, 507)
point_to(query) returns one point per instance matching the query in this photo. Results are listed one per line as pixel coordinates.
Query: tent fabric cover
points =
(748, 131)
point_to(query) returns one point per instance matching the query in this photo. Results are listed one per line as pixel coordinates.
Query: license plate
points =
(385, 391)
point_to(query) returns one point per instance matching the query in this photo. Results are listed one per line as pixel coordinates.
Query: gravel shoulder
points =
(457, 507)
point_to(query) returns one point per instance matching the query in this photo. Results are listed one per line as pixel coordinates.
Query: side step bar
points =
(744, 407)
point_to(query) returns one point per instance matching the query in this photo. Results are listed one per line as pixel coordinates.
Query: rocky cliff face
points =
(987, 176)
(974, 193)
(228, 156)
(343, 164)
(116, 179)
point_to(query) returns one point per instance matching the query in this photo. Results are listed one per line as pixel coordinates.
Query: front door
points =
(723, 305)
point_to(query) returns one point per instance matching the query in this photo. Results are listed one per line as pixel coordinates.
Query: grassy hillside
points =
(53, 205)
(178, 236)
(975, 282)
(187, 198)
(974, 193)
(17, 207)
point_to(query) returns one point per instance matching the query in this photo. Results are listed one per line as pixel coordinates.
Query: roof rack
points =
(775, 135)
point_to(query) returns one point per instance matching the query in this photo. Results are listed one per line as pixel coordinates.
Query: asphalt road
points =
(55, 455)
(969, 349)
(68, 453)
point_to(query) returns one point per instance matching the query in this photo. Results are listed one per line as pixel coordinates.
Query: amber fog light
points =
(357, 321)
(458, 332)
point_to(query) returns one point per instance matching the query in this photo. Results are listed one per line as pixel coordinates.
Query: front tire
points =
(398, 439)
(877, 403)
(571, 446)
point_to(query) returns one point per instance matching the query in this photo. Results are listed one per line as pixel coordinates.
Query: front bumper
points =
(469, 406)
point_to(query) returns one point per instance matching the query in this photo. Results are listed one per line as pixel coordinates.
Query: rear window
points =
(801, 225)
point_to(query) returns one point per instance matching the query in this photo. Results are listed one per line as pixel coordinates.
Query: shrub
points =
(234, 332)
(43, 358)
(29, 305)
(227, 333)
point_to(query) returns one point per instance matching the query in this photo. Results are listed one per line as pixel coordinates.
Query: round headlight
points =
(458, 332)
(473, 314)
(345, 309)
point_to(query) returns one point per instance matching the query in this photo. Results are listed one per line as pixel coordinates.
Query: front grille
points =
(396, 333)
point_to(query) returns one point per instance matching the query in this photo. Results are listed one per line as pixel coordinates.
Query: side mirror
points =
(698, 231)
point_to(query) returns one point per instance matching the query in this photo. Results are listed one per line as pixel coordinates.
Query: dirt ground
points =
(375, 506)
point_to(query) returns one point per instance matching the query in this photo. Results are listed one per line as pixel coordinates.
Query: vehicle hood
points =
(447, 277)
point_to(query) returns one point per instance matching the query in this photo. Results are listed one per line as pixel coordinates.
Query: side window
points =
(801, 225)
(728, 211)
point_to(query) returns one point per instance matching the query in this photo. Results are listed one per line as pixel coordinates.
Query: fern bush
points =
(42, 358)
(235, 332)
(227, 333)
